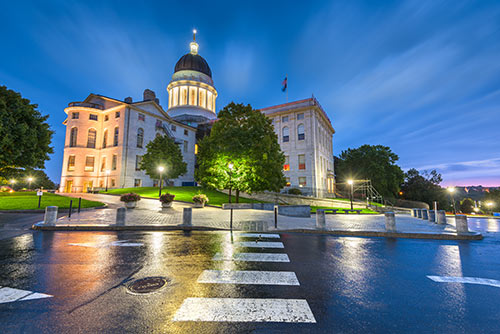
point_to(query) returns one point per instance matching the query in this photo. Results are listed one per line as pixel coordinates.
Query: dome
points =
(193, 62)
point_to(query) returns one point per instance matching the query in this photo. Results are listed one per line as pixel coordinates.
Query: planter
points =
(199, 205)
(166, 205)
(130, 205)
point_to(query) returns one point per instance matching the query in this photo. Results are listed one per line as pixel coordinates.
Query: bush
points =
(131, 197)
(467, 205)
(294, 191)
(200, 198)
(167, 198)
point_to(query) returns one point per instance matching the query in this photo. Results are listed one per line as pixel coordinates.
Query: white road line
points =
(245, 310)
(252, 257)
(469, 280)
(260, 235)
(248, 277)
(259, 244)
(8, 295)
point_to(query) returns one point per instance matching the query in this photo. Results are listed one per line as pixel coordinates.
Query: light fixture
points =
(161, 169)
(350, 182)
(230, 166)
(451, 190)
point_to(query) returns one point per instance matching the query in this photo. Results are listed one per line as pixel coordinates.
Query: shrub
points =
(167, 198)
(294, 191)
(131, 197)
(200, 198)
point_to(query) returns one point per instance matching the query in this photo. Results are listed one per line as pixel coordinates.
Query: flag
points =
(284, 84)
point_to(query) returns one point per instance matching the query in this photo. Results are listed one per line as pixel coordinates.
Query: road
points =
(336, 284)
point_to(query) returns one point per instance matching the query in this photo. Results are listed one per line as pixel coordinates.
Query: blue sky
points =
(422, 77)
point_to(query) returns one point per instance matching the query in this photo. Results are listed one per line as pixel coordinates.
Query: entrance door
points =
(88, 186)
(69, 186)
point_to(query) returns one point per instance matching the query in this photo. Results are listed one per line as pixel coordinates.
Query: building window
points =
(209, 100)
(202, 98)
(106, 118)
(91, 138)
(284, 119)
(113, 182)
(286, 166)
(183, 96)
(185, 145)
(300, 116)
(175, 97)
(155, 183)
(302, 181)
(140, 137)
(173, 127)
(192, 96)
(113, 162)
(288, 184)
(186, 133)
(117, 114)
(93, 117)
(105, 139)
(115, 138)
(138, 159)
(137, 182)
(195, 148)
(71, 163)
(89, 163)
(302, 161)
(103, 164)
(300, 132)
(75, 115)
(141, 117)
(72, 137)
(286, 134)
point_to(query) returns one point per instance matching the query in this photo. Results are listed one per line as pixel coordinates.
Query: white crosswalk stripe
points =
(252, 257)
(259, 244)
(248, 277)
(9, 295)
(260, 235)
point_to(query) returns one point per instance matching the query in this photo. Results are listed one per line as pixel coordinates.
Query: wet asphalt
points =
(352, 285)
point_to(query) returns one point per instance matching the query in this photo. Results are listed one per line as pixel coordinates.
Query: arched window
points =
(140, 137)
(72, 137)
(91, 138)
(286, 134)
(300, 132)
(105, 139)
(115, 137)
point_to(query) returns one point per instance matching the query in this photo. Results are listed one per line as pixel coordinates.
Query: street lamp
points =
(231, 167)
(12, 183)
(160, 169)
(30, 179)
(451, 190)
(107, 175)
(351, 183)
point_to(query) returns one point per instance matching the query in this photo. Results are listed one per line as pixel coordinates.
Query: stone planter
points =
(130, 205)
(166, 204)
(199, 205)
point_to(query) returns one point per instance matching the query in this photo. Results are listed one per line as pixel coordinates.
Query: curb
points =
(58, 210)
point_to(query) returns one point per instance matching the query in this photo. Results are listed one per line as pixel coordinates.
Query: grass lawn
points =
(29, 201)
(314, 208)
(348, 200)
(182, 194)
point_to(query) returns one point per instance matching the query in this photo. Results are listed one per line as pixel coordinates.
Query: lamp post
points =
(160, 169)
(451, 190)
(231, 167)
(490, 205)
(107, 175)
(12, 183)
(30, 179)
(351, 183)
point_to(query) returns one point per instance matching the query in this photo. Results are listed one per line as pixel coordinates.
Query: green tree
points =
(244, 137)
(24, 134)
(425, 188)
(467, 205)
(491, 201)
(40, 179)
(371, 162)
(164, 152)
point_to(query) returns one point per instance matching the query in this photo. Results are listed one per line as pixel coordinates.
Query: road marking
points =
(469, 280)
(248, 277)
(121, 243)
(259, 244)
(8, 295)
(252, 257)
(259, 235)
(245, 310)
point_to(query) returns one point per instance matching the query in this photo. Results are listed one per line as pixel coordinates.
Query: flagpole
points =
(286, 88)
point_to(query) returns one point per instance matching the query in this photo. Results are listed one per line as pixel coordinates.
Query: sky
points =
(422, 77)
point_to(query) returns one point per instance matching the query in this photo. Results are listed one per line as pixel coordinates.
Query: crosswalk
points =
(9, 295)
(248, 309)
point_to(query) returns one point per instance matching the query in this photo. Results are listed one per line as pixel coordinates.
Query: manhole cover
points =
(147, 285)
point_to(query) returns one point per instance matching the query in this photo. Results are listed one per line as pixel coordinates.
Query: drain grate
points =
(147, 285)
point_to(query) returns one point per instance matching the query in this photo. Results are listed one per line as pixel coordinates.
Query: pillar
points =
(320, 219)
(390, 222)
(461, 222)
(121, 214)
(441, 217)
(432, 216)
(50, 215)
(425, 214)
(187, 217)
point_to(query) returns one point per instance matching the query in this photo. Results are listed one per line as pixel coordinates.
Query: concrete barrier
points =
(419, 213)
(121, 216)
(247, 206)
(432, 216)
(187, 217)
(425, 214)
(461, 222)
(414, 212)
(320, 219)
(441, 217)
(390, 222)
(50, 215)
(295, 210)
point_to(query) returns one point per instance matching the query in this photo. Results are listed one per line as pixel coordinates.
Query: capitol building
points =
(106, 137)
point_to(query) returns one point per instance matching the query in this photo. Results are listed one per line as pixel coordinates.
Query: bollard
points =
(121, 214)
(231, 220)
(50, 215)
(187, 217)
(70, 208)
(79, 204)
(39, 201)
(461, 222)
(390, 222)
(425, 214)
(419, 213)
(432, 216)
(441, 217)
(320, 219)
(275, 217)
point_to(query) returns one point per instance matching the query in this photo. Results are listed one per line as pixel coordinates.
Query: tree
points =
(491, 201)
(24, 134)
(40, 179)
(424, 188)
(163, 151)
(244, 137)
(467, 205)
(371, 162)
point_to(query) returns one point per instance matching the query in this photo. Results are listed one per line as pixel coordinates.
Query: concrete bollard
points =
(441, 217)
(390, 222)
(419, 213)
(425, 214)
(187, 217)
(320, 219)
(432, 216)
(121, 215)
(50, 215)
(461, 222)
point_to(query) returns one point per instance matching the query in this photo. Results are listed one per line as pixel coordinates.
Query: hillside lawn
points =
(29, 201)
(314, 208)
